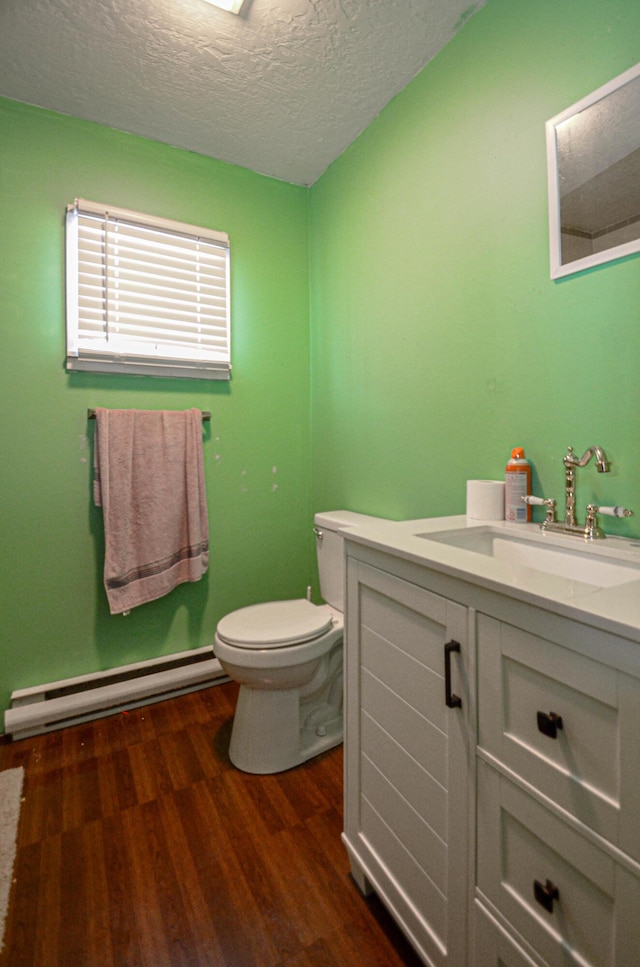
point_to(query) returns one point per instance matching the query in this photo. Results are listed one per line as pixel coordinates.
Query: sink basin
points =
(578, 563)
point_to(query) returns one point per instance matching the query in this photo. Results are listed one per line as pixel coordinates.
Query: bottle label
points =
(515, 489)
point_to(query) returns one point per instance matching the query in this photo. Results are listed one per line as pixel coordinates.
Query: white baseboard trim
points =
(70, 701)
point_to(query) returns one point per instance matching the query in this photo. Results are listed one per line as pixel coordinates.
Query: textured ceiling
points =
(281, 89)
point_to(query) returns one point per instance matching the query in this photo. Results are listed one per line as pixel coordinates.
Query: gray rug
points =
(10, 795)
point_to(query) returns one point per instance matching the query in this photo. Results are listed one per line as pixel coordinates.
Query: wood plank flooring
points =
(140, 845)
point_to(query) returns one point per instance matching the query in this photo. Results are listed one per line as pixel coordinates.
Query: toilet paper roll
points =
(485, 499)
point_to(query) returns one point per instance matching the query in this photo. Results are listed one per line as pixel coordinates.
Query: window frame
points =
(91, 347)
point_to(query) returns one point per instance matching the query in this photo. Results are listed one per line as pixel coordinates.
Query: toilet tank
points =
(330, 550)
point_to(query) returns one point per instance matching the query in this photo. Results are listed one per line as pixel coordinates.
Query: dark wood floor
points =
(140, 845)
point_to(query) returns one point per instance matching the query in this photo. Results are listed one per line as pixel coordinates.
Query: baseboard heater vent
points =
(45, 708)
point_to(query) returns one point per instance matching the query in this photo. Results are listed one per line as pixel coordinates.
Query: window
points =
(145, 295)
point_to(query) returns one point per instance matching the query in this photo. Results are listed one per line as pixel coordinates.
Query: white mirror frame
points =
(557, 268)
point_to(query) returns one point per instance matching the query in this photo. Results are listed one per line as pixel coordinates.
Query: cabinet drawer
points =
(493, 947)
(564, 723)
(569, 899)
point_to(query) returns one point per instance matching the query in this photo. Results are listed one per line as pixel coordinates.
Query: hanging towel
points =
(149, 481)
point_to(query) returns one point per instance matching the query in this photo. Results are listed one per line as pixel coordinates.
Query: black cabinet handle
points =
(549, 724)
(545, 894)
(453, 701)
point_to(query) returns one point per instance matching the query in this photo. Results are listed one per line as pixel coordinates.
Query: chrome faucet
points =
(570, 464)
(590, 529)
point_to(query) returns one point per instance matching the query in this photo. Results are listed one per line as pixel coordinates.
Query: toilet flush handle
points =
(318, 533)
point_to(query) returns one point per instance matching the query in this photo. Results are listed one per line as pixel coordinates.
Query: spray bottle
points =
(517, 484)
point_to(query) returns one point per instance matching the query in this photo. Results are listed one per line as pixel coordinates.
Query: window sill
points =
(140, 367)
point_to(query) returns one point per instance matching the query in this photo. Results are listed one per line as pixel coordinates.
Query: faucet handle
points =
(549, 503)
(591, 527)
(612, 511)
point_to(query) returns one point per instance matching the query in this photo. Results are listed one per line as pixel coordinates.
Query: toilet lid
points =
(277, 623)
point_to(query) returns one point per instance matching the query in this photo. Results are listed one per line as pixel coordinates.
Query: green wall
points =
(55, 621)
(439, 341)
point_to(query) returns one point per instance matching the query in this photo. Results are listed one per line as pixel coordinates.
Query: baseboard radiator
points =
(45, 708)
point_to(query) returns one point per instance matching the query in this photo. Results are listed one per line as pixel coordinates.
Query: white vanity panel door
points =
(408, 755)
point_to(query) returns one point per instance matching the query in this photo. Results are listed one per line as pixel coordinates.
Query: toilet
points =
(287, 658)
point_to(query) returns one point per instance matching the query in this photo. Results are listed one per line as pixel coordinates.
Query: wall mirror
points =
(593, 163)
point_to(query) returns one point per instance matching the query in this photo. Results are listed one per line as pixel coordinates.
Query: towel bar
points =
(206, 415)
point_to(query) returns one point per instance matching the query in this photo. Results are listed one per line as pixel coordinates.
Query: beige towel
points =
(149, 481)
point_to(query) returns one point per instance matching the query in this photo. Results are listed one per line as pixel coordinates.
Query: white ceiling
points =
(281, 89)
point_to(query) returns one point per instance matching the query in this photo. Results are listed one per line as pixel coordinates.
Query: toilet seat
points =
(276, 624)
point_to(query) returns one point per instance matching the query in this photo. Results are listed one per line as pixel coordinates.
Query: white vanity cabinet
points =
(407, 756)
(502, 830)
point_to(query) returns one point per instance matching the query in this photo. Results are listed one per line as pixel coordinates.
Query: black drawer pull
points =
(545, 894)
(549, 724)
(453, 701)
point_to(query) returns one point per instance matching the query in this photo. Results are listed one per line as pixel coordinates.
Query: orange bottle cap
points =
(517, 453)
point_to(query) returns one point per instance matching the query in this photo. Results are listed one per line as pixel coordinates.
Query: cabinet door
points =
(408, 755)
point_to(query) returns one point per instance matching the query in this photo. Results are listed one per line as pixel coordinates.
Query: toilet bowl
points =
(287, 658)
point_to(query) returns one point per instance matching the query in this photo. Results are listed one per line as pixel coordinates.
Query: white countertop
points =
(615, 609)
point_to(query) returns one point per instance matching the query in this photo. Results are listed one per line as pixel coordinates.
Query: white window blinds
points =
(145, 295)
